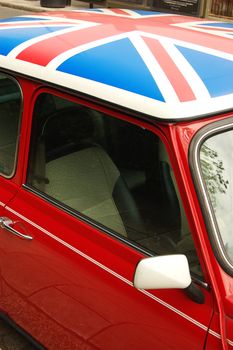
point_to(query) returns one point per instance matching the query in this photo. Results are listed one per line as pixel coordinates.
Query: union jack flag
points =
(167, 62)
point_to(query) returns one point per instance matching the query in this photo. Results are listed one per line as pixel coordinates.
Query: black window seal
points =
(196, 279)
(75, 213)
(214, 234)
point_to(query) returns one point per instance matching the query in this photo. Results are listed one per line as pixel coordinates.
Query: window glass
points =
(216, 159)
(10, 105)
(109, 170)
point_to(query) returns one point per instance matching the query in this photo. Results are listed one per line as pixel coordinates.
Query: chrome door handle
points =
(6, 223)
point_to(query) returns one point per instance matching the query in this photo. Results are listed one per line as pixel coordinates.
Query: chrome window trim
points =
(19, 126)
(202, 192)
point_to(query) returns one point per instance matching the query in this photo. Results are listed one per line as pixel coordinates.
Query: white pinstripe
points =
(115, 274)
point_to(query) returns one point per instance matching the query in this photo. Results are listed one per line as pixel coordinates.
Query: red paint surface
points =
(71, 286)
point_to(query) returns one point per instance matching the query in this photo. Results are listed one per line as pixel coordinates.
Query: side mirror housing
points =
(162, 272)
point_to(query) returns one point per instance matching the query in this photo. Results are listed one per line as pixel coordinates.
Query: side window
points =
(216, 159)
(10, 106)
(111, 171)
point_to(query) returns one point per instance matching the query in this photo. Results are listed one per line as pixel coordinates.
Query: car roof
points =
(166, 66)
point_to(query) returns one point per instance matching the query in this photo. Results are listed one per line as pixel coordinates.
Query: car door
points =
(10, 120)
(94, 202)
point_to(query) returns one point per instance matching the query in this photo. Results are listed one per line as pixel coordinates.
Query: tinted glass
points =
(10, 106)
(216, 158)
(110, 171)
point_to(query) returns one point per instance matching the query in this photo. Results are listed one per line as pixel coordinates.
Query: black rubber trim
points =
(86, 219)
(104, 229)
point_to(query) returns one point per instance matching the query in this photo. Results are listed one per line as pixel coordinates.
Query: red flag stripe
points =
(120, 12)
(38, 54)
(177, 80)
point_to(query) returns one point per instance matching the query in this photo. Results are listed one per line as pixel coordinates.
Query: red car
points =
(116, 180)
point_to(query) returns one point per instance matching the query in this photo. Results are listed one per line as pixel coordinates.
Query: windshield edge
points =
(202, 192)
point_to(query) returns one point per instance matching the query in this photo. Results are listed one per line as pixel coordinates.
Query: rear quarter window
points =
(10, 111)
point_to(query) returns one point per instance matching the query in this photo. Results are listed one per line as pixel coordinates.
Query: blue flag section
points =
(106, 64)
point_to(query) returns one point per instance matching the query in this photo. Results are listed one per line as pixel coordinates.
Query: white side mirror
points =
(161, 272)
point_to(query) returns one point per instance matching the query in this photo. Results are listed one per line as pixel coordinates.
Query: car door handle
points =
(6, 223)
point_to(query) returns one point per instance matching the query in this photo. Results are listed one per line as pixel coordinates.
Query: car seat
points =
(79, 173)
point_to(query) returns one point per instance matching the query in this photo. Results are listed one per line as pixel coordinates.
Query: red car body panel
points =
(71, 286)
(61, 247)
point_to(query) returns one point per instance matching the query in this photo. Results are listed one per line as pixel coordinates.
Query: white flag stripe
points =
(154, 68)
(57, 61)
(194, 81)
(196, 26)
(52, 19)
(36, 25)
(204, 49)
(151, 63)
(18, 49)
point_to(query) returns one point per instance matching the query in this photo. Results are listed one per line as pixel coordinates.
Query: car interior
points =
(110, 171)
